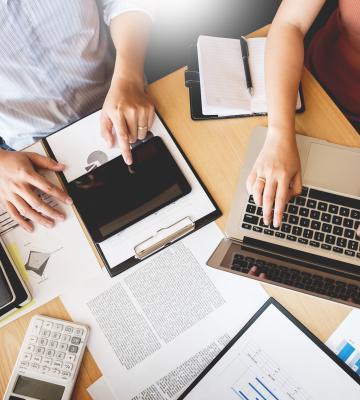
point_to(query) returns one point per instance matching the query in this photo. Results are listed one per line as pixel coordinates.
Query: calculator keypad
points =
(52, 348)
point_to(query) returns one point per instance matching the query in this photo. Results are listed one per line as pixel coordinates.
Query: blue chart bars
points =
(347, 352)
(259, 377)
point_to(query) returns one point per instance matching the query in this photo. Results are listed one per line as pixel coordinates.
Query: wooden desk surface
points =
(216, 149)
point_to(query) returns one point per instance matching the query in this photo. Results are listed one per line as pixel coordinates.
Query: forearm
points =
(130, 33)
(283, 68)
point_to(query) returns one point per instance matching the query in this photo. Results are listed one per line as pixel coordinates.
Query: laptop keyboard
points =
(315, 219)
(296, 278)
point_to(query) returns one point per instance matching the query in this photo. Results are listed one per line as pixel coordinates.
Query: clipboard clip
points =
(163, 237)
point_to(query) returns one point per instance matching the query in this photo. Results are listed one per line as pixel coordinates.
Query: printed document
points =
(155, 327)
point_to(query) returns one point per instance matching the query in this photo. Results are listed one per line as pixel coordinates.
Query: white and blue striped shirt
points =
(56, 63)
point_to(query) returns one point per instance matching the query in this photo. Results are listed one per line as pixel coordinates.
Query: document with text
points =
(155, 327)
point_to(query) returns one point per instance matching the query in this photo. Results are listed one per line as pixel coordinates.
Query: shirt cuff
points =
(113, 8)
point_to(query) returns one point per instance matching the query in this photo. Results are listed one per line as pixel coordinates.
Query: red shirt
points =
(334, 58)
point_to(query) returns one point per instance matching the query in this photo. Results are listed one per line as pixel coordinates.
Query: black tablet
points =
(275, 357)
(13, 292)
(114, 196)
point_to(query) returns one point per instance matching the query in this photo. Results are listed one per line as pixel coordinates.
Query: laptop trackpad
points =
(333, 168)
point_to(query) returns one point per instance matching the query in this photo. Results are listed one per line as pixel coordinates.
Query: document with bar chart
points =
(345, 341)
(275, 359)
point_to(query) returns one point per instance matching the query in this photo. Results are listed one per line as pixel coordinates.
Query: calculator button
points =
(48, 325)
(37, 325)
(47, 361)
(23, 364)
(27, 357)
(44, 369)
(78, 332)
(75, 340)
(37, 359)
(55, 372)
(53, 344)
(63, 346)
(57, 364)
(60, 355)
(40, 350)
(43, 342)
(70, 357)
(56, 335)
(73, 349)
(58, 327)
(45, 333)
(65, 338)
(50, 353)
(69, 329)
(30, 348)
(34, 366)
(33, 339)
(65, 374)
(68, 366)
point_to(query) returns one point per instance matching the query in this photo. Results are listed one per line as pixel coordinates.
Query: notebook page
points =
(222, 78)
(257, 68)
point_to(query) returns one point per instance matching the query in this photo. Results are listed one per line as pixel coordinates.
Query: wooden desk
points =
(216, 149)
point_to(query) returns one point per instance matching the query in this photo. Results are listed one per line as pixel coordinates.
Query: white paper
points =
(222, 77)
(50, 260)
(274, 359)
(166, 319)
(73, 146)
(100, 390)
(345, 341)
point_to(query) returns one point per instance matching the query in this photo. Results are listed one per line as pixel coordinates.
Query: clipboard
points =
(192, 82)
(160, 238)
(260, 358)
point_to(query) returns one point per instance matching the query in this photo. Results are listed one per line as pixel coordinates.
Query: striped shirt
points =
(56, 63)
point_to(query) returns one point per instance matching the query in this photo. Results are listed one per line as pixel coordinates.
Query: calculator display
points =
(37, 389)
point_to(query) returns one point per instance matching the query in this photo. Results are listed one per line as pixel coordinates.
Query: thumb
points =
(45, 162)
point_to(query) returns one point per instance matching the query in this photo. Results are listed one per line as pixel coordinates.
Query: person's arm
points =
(278, 162)
(127, 109)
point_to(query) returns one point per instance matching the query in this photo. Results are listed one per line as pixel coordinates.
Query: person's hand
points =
(276, 176)
(19, 179)
(127, 112)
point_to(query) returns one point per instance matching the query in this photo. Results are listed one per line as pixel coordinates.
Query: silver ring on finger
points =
(142, 128)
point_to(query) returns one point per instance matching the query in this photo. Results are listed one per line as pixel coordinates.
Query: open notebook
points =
(222, 78)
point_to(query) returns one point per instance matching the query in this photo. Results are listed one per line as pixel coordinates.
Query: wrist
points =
(131, 74)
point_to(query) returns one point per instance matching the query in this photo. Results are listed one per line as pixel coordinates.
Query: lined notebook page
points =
(222, 78)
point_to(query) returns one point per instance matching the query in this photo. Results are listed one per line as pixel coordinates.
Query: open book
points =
(222, 77)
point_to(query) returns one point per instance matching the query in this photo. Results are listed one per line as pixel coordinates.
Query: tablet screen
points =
(115, 195)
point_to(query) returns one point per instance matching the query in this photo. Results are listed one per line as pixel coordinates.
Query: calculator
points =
(49, 360)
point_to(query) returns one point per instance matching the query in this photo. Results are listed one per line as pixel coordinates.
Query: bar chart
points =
(261, 378)
(346, 350)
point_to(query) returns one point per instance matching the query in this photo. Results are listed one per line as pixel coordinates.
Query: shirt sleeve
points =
(113, 8)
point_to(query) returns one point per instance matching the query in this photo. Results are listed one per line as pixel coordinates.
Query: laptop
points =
(315, 250)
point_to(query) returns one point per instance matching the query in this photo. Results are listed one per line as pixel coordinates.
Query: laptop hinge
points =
(299, 256)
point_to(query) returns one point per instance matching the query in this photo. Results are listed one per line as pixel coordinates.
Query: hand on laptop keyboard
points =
(276, 176)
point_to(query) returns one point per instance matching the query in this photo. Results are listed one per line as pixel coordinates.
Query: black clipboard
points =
(198, 224)
(296, 322)
(192, 82)
(12, 284)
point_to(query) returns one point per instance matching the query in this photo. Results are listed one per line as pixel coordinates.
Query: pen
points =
(245, 58)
